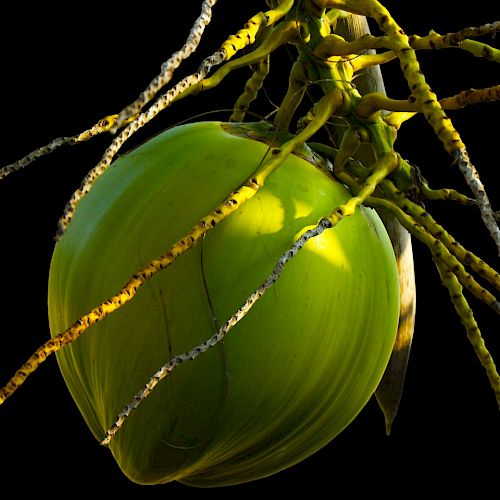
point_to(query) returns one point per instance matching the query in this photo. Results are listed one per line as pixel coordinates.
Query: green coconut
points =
(289, 377)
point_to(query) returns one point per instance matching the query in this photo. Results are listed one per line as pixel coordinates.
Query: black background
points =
(63, 70)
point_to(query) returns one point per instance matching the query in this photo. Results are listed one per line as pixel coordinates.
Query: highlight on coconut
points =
(261, 288)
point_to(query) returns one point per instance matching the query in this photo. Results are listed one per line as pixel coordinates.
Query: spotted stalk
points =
(471, 96)
(460, 40)
(444, 194)
(247, 35)
(103, 125)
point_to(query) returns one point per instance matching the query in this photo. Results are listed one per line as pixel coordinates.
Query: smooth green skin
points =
(288, 378)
